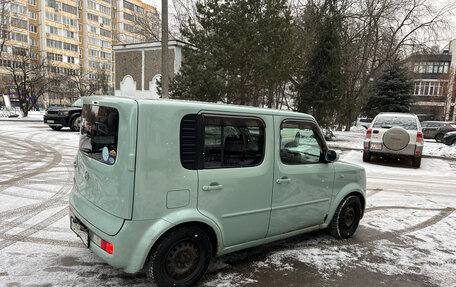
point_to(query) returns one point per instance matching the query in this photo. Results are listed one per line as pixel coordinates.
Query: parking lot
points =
(406, 237)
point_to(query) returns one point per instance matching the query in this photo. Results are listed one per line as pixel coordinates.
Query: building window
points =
(33, 28)
(430, 88)
(33, 42)
(19, 37)
(32, 2)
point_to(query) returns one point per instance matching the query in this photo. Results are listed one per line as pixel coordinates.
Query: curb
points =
(425, 156)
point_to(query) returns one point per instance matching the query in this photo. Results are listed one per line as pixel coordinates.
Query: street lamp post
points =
(165, 67)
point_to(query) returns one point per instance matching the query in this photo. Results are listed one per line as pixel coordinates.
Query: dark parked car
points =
(449, 138)
(436, 130)
(70, 116)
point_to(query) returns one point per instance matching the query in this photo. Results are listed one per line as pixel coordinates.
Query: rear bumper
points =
(414, 150)
(131, 243)
(55, 120)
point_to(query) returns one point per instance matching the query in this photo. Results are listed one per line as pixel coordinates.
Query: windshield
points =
(77, 103)
(99, 132)
(387, 122)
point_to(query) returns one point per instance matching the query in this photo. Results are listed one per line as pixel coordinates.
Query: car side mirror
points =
(332, 155)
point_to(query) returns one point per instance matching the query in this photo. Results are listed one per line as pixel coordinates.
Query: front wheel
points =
(76, 124)
(346, 218)
(181, 258)
(439, 138)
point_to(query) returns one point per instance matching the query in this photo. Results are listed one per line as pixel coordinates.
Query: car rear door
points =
(105, 162)
(235, 182)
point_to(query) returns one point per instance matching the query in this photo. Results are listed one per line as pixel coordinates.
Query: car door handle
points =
(283, 180)
(212, 187)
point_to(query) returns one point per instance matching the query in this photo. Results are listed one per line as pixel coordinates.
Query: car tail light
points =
(419, 137)
(368, 133)
(106, 246)
(452, 127)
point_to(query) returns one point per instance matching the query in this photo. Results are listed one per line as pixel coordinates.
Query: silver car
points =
(394, 134)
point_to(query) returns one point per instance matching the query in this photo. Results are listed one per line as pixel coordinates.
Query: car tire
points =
(180, 259)
(55, 128)
(76, 124)
(416, 161)
(346, 218)
(439, 138)
(366, 156)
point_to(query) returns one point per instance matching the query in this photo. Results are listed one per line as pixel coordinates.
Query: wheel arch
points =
(201, 225)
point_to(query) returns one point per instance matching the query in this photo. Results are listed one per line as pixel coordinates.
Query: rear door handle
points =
(283, 180)
(212, 187)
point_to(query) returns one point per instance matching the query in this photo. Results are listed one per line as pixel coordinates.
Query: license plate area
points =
(376, 146)
(50, 121)
(80, 230)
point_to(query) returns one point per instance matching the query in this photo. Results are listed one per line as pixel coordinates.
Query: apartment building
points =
(434, 81)
(74, 36)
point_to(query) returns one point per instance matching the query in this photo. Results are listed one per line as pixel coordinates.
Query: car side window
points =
(231, 141)
(300, 143)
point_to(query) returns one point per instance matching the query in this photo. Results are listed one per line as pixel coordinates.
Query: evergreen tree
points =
(241, 52)
(321, 81)
(391, 92)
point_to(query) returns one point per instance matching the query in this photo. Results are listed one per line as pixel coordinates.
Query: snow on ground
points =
(32, 116)
(405, 238)
(355, 137)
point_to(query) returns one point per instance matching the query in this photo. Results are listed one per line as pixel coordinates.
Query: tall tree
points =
(375, 32)
(391, 92)
(241, 52)
(30, 78)
(320, 80)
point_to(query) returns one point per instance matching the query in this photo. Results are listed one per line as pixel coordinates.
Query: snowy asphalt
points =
(406, 238)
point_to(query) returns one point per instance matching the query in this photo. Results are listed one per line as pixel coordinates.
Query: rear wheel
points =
(439, 138)
(76, 124)
(181, 258)
(366, 156)
(346, 218)
(55, 128)
(416, 161)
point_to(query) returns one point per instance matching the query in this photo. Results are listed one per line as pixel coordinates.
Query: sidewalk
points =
(33, 116)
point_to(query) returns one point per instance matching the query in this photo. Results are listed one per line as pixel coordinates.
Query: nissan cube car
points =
(163, 186)
(395, 135)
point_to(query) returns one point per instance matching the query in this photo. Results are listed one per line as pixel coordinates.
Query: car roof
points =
(219, 107)
(397, 114)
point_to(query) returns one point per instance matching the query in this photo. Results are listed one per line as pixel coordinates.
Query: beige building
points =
(75, 36)
(138, 67)
(434, 84)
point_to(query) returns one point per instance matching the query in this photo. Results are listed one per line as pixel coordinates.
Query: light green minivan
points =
(165, 185)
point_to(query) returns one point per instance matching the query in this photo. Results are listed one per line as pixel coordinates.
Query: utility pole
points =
(165, 68)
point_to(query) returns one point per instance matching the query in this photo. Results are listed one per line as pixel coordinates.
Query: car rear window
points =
(99, 132)
(387, 122)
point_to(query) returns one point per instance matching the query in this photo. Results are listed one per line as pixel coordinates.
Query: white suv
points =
(394, 134)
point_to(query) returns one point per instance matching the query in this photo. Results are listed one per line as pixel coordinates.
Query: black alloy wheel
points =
(181, 258)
